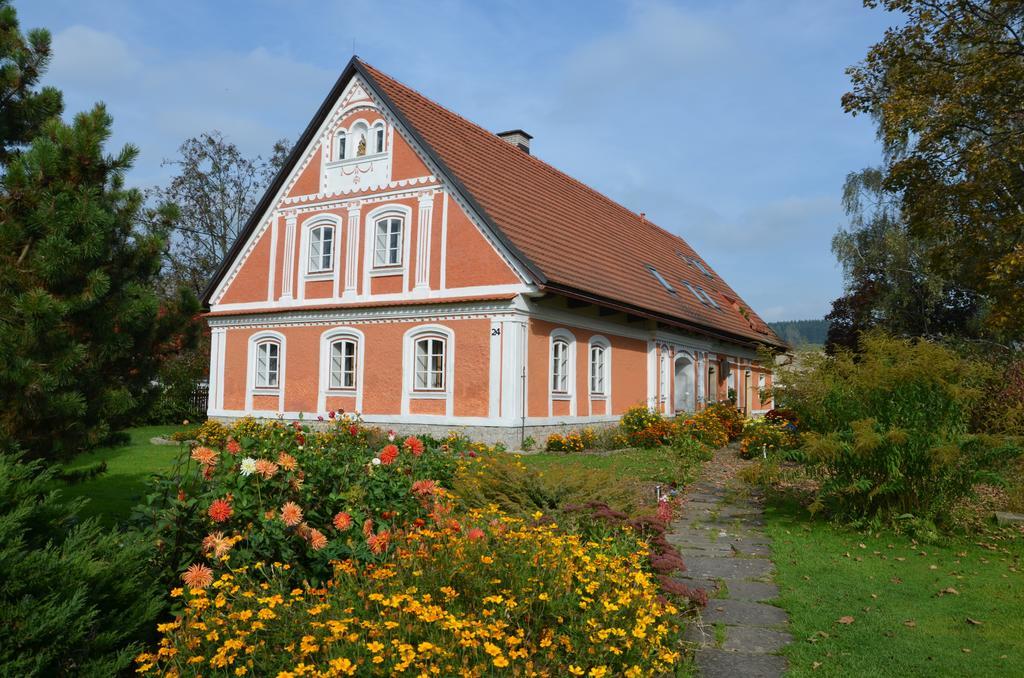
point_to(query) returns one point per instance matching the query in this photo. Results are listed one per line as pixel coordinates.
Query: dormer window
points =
(321, 249)
(378, 137)
(340, 141)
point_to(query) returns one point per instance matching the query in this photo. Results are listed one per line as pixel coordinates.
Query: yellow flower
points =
(576, 670)
(500, 662)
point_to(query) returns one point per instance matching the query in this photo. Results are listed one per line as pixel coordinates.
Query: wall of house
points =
(444, 253)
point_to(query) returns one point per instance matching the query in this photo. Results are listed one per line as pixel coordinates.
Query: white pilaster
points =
(288, 270)
(272, 273)
(352, 252)
(423, 234)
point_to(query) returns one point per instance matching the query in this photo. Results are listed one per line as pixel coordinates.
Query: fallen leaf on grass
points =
(965, 650)
(815, 665)
(847, 619)
(896, 580)
(974, 622)
(949, 591)
(909, 623)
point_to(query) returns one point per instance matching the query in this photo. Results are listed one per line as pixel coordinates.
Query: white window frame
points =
(560, 367)
(388, 249)
(431, 346)
(562, 335)
(337, 378)
(378, 134)
(411, 391)
(340, 144)
(327, 341)
(253, 388)
(602, 389)
(320, 229)
(270, 380)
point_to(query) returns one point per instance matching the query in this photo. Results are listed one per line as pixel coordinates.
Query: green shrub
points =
(74, 599)
(567, 442)
(234, 500)
(690, 449)
(890, 428)
(765, 435)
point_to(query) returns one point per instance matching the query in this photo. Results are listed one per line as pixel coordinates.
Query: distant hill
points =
(801, 332)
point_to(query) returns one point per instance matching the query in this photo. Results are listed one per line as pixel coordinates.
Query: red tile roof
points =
(569, 235)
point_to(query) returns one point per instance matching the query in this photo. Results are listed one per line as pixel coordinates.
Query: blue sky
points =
(721, 120)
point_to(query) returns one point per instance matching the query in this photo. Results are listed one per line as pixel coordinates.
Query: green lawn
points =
(917, 609)
(660, 465)
(113, 494)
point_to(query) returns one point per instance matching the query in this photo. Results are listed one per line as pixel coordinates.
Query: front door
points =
(684, 396)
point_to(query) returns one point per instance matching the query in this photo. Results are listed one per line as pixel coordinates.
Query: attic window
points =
(700, 267)
(700, 297)
(657, 276)
(707, 296)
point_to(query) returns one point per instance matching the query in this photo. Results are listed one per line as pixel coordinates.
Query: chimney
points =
(518, 138)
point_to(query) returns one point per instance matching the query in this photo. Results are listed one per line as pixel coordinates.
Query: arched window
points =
(267, 364)
(387, 242)
(599, 368)
(560, 366)
(378, 137)
(430, 363)
(343, 364)
(340, 143)
(321, 249)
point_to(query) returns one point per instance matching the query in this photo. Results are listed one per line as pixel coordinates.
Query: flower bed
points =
(496, 594)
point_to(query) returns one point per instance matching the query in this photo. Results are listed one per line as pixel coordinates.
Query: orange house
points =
(415, 268)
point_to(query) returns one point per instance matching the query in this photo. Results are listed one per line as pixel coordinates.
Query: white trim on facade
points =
(250, 370)
(562, 334)
(325, 390)
(409, 390)
(370, 270)
(606, 395)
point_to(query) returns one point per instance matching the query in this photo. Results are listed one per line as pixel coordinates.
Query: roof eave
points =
(713, 332)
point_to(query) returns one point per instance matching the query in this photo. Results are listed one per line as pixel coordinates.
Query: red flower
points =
(181, 494)
(368, 527)
(389, 454)
(378, 543)
(472, 454)
(475, 533)
(414, 445)
(424, 488)
(220, 510)
(234, 447)
(353, 430)
(332, 414)
(342, 521)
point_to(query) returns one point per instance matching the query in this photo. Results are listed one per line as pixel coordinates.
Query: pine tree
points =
(23, 59)
(75, 600)
(82, 331)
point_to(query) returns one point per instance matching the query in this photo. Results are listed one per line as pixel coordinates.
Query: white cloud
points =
(85, 57)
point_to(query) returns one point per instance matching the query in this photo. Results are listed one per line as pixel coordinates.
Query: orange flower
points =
(368, 527)
(291, 514)
(216, 543)
(424, 488)
(197, 576)
(234, 447)
(220, 510)
(414, 445)
(286, 461)
(342, 521)
(378, 543)
(317, 540)
(389, 454)
(266, 468)
(205, 456)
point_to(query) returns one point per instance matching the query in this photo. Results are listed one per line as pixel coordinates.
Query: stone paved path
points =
(728, 554)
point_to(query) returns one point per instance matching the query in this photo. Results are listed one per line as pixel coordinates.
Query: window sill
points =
(265, 392)
(561, 396)
(386, 271)
(319, 275)
(599, 396)
(341, 392)
(369, 157)
(428, 395)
